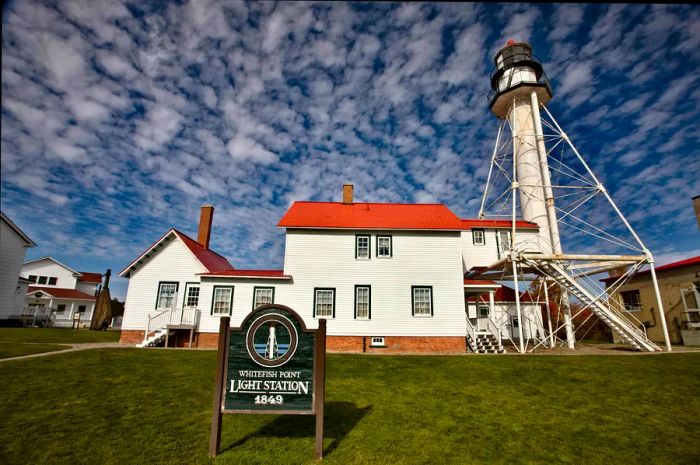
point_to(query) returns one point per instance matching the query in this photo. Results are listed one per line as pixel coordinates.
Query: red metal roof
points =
(249, 274)
(497, 224)
(480, 282)
(61, 293)
(209, 259)
(87, 277)
(662, 268)
(337, 215)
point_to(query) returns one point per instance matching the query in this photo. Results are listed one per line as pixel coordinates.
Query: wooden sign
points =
(271, 364)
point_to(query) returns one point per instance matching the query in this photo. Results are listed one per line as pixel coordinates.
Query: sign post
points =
(271, 364)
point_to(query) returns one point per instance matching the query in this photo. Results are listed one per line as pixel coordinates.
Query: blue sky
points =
(120, 120)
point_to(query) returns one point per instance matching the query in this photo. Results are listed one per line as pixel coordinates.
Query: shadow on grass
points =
(339, 419)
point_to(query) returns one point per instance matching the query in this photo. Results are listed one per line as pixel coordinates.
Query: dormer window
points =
(362, 246)
(478, 237)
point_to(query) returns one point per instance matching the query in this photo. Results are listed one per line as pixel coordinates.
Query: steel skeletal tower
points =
(555, 188)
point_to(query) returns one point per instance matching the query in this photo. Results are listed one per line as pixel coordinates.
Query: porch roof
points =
(60, 293)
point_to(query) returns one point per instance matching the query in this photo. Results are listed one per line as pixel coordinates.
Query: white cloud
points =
(242, 148)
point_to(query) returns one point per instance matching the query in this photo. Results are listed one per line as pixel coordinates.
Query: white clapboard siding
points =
(174, 262)
(12, 251)
(242, 299)
(326, 259)
(484, 255)
(88, 288)
(48, 267)
(504, 312)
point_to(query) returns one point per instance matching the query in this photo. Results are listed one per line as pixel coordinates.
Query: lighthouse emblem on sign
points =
(271, 340)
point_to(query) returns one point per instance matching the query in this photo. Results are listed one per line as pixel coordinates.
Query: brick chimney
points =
(347, 193)
(696, 205)
(205, 219)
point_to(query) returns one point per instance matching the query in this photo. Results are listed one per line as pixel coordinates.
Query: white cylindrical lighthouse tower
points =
(519, 86)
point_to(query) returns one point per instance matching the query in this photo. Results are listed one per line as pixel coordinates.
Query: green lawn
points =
(13, 349)
(57, 335)
(132, 406)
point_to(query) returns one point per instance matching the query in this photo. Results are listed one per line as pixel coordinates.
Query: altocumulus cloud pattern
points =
(120, 119)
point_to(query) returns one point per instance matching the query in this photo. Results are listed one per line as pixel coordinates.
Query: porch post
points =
(492, 312)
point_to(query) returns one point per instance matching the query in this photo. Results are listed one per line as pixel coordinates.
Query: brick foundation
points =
(399, 344)
(178, 338)
(347, 344)
(130, 336)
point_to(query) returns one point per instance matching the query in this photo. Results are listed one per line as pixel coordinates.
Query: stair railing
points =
(171, 316)
(495, 329)
(471, 331)
(157, 321)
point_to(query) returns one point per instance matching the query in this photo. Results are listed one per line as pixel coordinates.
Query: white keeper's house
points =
(64, 295)
(13, 247)
(387, 277)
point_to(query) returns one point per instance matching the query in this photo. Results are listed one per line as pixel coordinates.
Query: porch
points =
(161, 325)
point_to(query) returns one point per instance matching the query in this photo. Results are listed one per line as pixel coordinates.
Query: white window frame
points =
(256, 289)
(632, 308)
(317, 302)
(389, 246)
(216, 299)
(415, 293)
(368, 315)
(186, 300)
(377, 341)
(161, 285)
(478, 236)
(357, 246)
(481, 307)
(499, 243)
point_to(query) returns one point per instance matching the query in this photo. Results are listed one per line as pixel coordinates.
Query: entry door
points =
(482, 318)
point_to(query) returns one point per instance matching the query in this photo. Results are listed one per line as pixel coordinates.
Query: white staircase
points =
(485, 344)
(606, 311)
(155, 338)
(159, 325)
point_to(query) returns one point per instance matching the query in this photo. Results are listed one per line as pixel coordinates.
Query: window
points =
(191, 295)
(478, 237)
(362, 302)
(362, 247)
(324, 303)
(502, 243)
(81, 308)
(631, 301)
(53, 280)
(167, 293)
(222, 300)
(32, 278)
(516, 322)
(483, 311)
(263, 296)
(61, 308)
(422, 300)
(42, 279)
(377, 342)
(384, 246)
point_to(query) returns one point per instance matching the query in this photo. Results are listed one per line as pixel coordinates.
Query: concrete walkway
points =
(72, 348)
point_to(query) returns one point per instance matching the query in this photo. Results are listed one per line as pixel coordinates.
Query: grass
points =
(56, 335)
(131, 406)
(11, 349)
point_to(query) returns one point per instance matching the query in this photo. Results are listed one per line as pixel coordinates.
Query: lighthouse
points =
(519, 176)
(519, 86)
